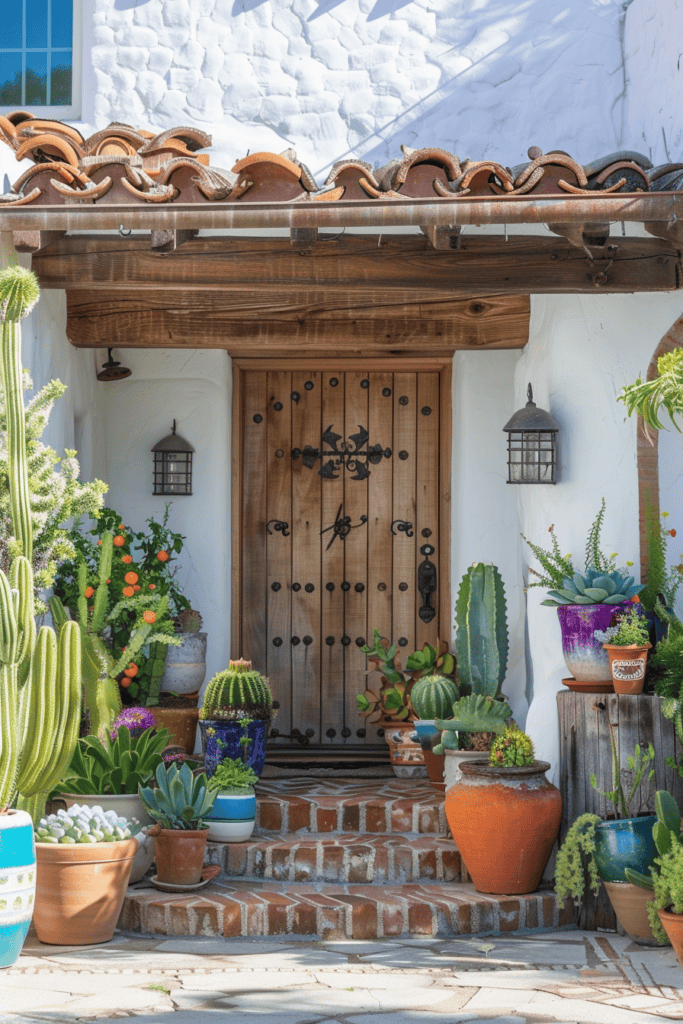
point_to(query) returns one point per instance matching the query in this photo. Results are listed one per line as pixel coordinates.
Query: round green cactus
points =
(433, 697)
(513, 749)
(238, 692)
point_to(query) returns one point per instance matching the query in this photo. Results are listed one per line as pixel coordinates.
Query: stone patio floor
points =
(544, 978)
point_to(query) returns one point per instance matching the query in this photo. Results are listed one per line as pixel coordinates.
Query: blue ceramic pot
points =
(624, 844)
(234, 807)
(17, 883)
(222, 739)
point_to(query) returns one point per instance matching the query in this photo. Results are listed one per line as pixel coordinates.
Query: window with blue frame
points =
(36, 53)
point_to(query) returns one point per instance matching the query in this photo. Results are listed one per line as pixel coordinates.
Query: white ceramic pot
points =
(222, 830)
(454, 758)
(126, 805)
(185, 665)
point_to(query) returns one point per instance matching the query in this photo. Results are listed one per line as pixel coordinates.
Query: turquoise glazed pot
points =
(624, 844)
(234, 806)
(17, 883)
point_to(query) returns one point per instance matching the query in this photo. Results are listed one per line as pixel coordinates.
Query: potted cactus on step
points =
(235, 717)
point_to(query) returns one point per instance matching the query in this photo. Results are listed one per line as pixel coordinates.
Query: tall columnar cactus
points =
(482, 634)
(238, 692)
(433, 697)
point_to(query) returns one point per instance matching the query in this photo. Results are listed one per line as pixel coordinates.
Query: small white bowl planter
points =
(232, 818)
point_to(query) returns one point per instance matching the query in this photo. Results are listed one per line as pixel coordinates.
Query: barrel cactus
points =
(236, 693)
(482, 634)
(513, 749)
(433, 697)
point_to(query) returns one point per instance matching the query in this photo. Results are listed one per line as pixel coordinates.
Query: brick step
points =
(240, 908)
(340, 857)
(349, 805)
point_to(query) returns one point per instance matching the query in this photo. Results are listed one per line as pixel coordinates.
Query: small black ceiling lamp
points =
(173, 465)
(532, 445)
(111, 370)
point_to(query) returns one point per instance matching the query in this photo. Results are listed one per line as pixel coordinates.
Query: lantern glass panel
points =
(173, 473)
(532, 457)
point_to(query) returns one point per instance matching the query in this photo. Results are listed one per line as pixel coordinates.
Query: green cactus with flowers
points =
(513, 749)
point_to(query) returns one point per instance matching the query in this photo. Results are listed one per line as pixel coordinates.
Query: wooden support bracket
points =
(303, 238)
(671, 231)
(169, 239)
(583, 236)
(442, 237)
(34, 241)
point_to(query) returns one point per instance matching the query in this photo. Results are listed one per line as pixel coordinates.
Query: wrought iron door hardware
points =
(402, 527)
(279, 526)
(426, 532)
(346, 732)
(382, 587)
(331, 733)
(296, 587)
(308, 640)
(295, 641)
(275, 587)
(295, 396)
(386, 392)
(403, 586)
(329, 640)
(359, 588)
(403, 642)
(309, 588)
(295, 736)
(341, 527)
(309, 385)
(403, 400)
(258, 418)
(277, 406)
(349, 454)
(403, 455)
(277, 641)
(360, 733)
(346, 640)
(333, 382)
(365, 383)
(360, 641)
(279, 453)
(329, 586)
(426, 583)
(426, 411)
(345, 585)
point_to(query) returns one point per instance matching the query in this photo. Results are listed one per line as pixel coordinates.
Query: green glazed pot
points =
(624, 844)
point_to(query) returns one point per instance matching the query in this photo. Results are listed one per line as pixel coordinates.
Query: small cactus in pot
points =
(235, 717)
(513, 749)
(433, 697)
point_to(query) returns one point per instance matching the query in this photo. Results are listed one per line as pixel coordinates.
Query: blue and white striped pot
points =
(232, 817)
(17, 883)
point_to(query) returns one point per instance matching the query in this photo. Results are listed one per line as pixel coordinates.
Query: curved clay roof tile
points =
(213, 185)
(555, 159)
(113, 130)
(623, 154)
(344, 165)
(90, 193)
(11, 199)
(622, 175)
(93, 163)
(8, 132)
(44, 149)
(65, 172)
(376, 193)
(17, 116)
(662, 169)
(153, 194)
(266, 158)
(430, 155)
(476, 179)
(191, 138)
(40, 125)
(669, 181)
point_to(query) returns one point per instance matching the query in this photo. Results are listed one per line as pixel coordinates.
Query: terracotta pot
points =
(504, 822)
(405, 753)
(627, 665)
(673, 926)
(80, 890)
(180, 855)
(429, 735)
(126, 805)
(181, 724)
(629, 903)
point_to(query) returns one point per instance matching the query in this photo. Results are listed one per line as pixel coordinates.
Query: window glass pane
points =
(10, 19)
(36, 79)
(10, 79)
(61, 79)
(62, 23)
(36, 23)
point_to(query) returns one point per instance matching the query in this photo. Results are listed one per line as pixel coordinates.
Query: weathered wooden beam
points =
(34, 241)
(442, 237)
(244, 323)
(303, 238)
(484, 265)
(168, 240)
(671, 231)
(583, 235)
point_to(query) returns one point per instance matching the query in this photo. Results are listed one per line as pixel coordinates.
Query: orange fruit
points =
(99, 543)
(121, 526)
(89, 591)
(162, 556)
(151, 586)
(132, 670)
(149, 616)
(119, 542)
(127, 559)
(131, 577)
(108, 581)
(136, 587)
(128, 591)
(126, 681)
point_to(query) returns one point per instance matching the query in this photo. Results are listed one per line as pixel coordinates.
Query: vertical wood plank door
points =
(340, 534)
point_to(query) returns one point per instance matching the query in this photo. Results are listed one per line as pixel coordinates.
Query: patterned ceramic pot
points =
(627, 665)
(17, 883)
(222, 739)
(405, 753)
(583, 654)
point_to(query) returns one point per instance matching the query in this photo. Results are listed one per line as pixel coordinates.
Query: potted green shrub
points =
(231, 820)
(627, 643)
(179, 804)
(658, 895)
(235, 717)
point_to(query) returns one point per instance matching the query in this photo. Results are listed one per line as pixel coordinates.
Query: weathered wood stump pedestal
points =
(585, 748)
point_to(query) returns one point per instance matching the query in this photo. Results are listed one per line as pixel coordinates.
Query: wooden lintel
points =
(244, 323)
(34, 241)
(671, 231)
(442, 237)
(169, 239)
(583, 236)
(303, 238)
(484, 265)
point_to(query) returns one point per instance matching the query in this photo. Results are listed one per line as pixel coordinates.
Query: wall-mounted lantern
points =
(111, 370)
(173, 465)
(532, 445)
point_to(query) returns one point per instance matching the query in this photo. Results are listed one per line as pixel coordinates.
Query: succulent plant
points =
(594, 587)
(188, 621)
(180, 801)
(238, 692)
(233, 776)
(513, 749)
(482, 635)
(115, 764)
(84, 825)
(433, 697)
(474, 713)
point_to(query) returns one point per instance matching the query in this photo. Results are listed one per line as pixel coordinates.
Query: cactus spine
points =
(40, 678)
(482, 635)
(238, 692)
(433, 697)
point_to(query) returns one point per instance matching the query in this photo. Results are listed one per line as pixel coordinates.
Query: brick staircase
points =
(339, 859)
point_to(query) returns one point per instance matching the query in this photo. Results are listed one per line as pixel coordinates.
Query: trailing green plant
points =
(237, 693)
(233, 776)
(630, 629)
(576, 860)
(513, 749)
(474, 713)
(482, 634)
(648, 398)
(433, 697)
(115, 765)
(180, 800)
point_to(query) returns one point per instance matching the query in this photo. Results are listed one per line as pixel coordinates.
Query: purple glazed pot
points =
(583, 654)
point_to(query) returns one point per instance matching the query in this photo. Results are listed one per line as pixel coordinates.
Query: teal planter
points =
(17, 883)
(624, 844)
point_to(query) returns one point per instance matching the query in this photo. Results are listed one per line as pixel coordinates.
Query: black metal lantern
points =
(532, 445)
(112, 370)
(173, 465)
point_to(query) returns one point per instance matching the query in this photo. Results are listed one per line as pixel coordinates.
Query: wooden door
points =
(340, 532)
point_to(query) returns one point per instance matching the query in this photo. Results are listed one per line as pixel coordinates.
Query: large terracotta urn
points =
(504, 822)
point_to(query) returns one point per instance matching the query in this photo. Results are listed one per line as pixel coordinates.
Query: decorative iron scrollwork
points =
(426, 583)
(279, 526)
(402, 527)
(341, 527)
(354, 454)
